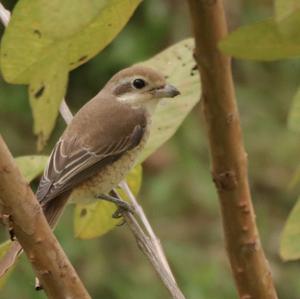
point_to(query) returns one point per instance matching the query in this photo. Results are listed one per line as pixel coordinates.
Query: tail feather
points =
(54, 209)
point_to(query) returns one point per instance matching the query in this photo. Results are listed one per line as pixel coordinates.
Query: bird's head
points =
(140, 86)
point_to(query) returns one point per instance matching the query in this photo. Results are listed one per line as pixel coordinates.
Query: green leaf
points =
(283, 8)
(46, 90)
(30, 37)
(294, 114)
(267, 40)
(94, 219)
(290, 239)
(4, 247)
(31, 166)
(46, 39)
(179, 67)
(74, 15)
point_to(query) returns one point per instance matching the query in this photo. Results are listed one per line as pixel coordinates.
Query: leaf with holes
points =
(38, 28)
(46, 39)
(94, 219)
(290, 239)
(46, 90)
(31, 166)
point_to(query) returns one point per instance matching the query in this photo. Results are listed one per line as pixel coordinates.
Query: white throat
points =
(138, 101)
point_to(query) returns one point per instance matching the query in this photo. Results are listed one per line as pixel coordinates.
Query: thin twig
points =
(4, 15)
(65, 112)
(148, 248)
(142, 216)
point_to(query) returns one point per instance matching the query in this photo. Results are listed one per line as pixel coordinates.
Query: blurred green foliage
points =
(177, 192)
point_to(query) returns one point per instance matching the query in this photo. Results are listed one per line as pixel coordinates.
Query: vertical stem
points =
(229, 159)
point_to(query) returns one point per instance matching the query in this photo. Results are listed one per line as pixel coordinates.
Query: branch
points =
(31, 228)
(229, 160)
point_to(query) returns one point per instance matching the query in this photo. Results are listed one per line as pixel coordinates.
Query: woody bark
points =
(228, 157)
(52, 267)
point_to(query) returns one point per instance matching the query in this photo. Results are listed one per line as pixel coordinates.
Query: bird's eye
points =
(139, 83)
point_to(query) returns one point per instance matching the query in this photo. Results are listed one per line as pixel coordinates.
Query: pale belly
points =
(107, 178)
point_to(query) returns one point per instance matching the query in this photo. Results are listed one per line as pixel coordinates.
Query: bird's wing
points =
(70, 164)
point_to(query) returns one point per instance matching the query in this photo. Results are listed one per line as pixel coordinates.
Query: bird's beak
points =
(167, 91)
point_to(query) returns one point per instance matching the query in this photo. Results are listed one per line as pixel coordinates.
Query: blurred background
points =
(177, 193)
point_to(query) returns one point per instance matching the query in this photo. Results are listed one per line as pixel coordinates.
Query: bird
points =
(101, 144)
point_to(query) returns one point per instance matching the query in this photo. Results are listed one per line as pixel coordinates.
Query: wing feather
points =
(71, 163)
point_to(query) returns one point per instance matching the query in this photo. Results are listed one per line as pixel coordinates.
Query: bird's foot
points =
(122, 205)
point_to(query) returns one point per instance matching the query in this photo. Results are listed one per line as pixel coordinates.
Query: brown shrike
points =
(102, 142)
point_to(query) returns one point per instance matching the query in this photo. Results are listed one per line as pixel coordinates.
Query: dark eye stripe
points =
(122, 88)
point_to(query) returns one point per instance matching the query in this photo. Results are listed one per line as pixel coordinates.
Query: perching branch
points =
(144, 220)
(229, 160)
(147, 247)
(30, 226)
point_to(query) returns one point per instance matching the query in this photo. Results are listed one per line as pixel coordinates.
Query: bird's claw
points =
(122, 205)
